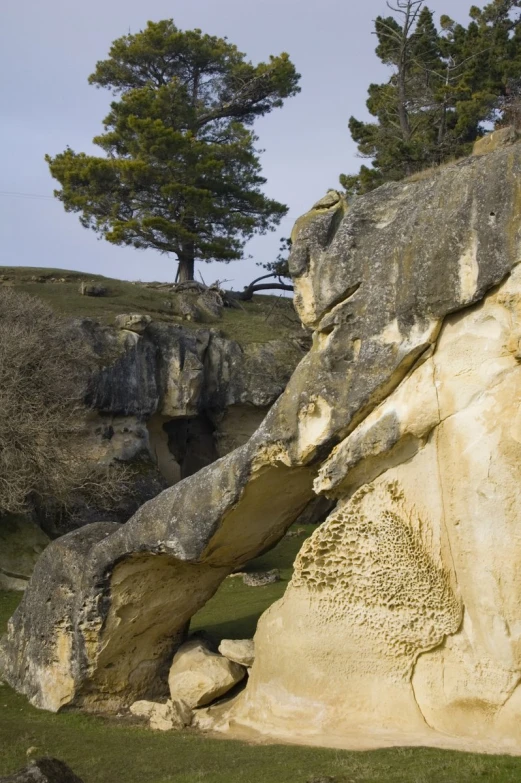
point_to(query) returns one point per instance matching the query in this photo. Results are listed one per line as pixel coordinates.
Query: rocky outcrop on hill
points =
(402, 615)
(155, 373)
(169, 400)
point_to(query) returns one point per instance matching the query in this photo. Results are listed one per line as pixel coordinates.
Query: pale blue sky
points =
(49, 47)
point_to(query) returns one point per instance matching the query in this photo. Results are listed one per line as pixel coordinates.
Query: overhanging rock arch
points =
(107, 605)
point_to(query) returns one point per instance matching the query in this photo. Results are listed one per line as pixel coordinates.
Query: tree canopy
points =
(446, 82)
(180, 171)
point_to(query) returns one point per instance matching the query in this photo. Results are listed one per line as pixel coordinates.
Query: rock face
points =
(409, 593)
(168, 401)
(182, 397)
(403, 613)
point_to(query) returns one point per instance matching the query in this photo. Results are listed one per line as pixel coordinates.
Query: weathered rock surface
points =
(163, 717)
(46, 770)
(241, 651)
(198, 676)
(21, 544)
(167, 401)
(153, 375)
(403, 610)
(133, 322)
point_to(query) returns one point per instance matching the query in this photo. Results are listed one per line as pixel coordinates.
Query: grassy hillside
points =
(265, 318)
(120, 751)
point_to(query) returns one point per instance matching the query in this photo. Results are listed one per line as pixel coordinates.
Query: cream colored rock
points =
(163, 717)
(241, 651)
(403, 612)
(198, 676)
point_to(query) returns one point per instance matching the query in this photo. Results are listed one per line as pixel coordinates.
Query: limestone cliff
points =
(403, 613)
(174, 399)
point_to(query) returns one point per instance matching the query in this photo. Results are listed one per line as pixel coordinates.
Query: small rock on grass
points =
(163, 717)
(261, 578)
(44, 770)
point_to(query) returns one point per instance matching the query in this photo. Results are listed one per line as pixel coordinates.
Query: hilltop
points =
(264, 318)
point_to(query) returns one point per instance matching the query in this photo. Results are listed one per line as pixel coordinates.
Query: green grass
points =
(257, 321)
(235, 609)
(120, 751)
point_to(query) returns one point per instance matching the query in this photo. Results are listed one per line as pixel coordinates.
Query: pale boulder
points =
(241, 651)
(163, 717)
(198, 676)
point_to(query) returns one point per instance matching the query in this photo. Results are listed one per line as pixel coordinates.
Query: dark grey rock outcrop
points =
(45, 770)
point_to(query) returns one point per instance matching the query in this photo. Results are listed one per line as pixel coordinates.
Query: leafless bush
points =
(44, 365)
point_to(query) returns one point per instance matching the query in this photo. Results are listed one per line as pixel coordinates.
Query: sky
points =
(48, 48)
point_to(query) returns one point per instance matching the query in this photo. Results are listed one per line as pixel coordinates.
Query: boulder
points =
(403, 611)
(198, 676)
(133, 322)
(45, 770)
(175, 714)
(21, 544)
(93, 289)
(241, 651)
(261, 578)
(210, 305)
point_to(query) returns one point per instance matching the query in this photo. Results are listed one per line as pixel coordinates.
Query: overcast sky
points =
(49, 47)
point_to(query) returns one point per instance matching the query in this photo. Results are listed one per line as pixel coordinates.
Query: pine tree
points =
(445, 84)
(180, 171)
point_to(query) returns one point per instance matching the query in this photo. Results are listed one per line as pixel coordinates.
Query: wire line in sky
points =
(16, 194)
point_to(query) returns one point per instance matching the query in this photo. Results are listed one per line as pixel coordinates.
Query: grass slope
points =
(109, 751)
(257, 321)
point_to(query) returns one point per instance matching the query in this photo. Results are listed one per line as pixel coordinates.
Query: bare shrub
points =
(44, 366)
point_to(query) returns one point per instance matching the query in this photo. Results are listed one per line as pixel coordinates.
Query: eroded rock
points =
(403, 609)
(426, 483)
(154, 375)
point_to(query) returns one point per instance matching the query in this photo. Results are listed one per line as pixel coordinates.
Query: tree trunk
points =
(185, 270)
(247, 294)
